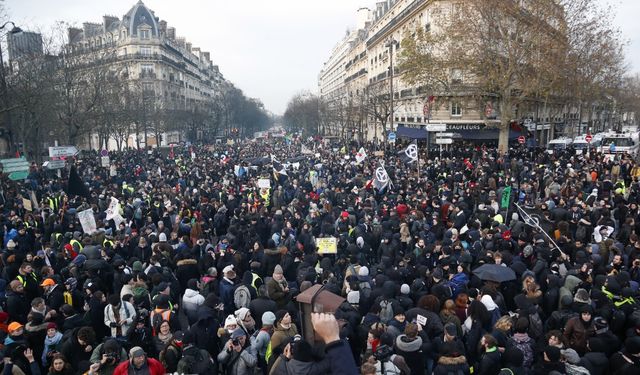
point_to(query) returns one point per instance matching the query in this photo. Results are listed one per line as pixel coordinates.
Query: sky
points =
(271, 49)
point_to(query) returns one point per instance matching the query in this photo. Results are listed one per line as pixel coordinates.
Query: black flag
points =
(409, 154)
(75, 186)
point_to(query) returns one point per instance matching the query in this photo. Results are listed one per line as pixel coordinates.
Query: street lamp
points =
(3, 80)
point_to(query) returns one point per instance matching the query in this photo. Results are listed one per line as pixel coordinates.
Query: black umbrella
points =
(494, 272)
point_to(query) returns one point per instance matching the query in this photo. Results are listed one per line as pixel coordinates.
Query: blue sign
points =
(392, 136)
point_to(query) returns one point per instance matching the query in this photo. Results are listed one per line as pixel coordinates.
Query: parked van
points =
(559, 144)
(618, 143)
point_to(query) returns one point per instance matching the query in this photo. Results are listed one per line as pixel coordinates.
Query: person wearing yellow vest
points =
(29, 281)
(75, 242)
(54, 203)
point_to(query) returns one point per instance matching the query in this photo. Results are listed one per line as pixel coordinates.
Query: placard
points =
(87, 221)
(26, 203)
(264, 183)
(327, 245)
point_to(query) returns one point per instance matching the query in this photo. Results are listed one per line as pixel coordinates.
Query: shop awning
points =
(412, 133)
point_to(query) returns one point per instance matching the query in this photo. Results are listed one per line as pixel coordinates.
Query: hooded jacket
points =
(154, 366)
(413, 352)
(451, 365)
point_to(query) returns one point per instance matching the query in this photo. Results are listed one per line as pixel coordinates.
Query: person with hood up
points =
(245, 320)
(297, 358)
(451, 361)
(579, 329)
(191, 300)
(413, 344)
(238, 357)
(551, 362)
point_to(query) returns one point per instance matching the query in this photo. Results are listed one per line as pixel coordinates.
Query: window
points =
(144, 34)
(145, 51)
(456, 76)
(147, 70)
(456, 109)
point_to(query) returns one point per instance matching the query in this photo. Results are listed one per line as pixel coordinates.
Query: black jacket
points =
(55, 298)
(18, 306)
(451, 365)
(489, 363)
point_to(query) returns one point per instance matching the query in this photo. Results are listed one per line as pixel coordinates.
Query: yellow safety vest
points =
(54, 203)
(76, 242)
(106, 241)
(23, 280)
(255, 277)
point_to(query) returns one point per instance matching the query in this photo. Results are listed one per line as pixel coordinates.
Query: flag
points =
(75, 185)
(361, 155)
(409, 154)
(304, 150)
(506, 197)
(381, 178)
(468, 164)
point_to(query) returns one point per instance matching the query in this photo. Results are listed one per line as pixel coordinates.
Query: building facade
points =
(369, 67)
(171, 73)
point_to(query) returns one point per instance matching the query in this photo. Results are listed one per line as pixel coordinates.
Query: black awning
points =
(412, 133)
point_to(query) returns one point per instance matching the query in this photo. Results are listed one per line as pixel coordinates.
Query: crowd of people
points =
(199, 253)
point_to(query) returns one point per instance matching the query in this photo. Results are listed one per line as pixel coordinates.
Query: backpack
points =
(581, 233)
(536, 328)
(386, 311)
(162, 357)
(241, 296)
(525, 347)
(200, 363)
(365, 290)
(575, 370)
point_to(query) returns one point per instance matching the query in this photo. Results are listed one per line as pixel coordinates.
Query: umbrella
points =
(494, 272)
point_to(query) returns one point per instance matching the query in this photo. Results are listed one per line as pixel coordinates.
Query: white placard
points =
(87, 221)
(264, 183)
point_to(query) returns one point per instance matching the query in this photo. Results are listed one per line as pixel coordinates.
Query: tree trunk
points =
(505, 119)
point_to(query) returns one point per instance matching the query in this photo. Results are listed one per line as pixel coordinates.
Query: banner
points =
(409, 154)
(361, 155)
(327, 245)
(506, 197)
(381, 178)
(264, 183)
(87, 221)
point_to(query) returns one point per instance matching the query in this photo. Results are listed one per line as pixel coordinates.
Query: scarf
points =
(48, 343)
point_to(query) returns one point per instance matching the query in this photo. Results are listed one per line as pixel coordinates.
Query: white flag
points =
(361, 155)
(306, 150)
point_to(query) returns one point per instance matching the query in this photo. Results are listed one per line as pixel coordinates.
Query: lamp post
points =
(3, 80)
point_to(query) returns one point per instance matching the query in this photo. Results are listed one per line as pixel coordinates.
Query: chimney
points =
(107, 21)
(171, 33)
(73, 32)
(188, 47)
(162, 27)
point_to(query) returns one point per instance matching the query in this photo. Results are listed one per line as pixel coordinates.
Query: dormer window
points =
(145, 34)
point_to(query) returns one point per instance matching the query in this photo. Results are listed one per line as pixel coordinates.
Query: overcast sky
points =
(271, 49)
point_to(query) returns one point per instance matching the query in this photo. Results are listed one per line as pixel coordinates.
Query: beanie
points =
(162, 237)
(268, 318)
(353, 297)
(553, 353)
(278, 269)
(363, 271)
(404, 289)
(280, 314)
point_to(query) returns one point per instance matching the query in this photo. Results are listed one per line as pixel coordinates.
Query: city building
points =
(24, 44)
(359, 70)
(173, 74)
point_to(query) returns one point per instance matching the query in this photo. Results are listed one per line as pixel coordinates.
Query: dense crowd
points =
(465, 262)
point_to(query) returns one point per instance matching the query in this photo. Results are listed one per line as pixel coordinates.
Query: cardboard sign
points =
(87, 221)
(378, 153)
(26, 203)
(105, 162)
(422, 320)
(327, 245)
(264, 183)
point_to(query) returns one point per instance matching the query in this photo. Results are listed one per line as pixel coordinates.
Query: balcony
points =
(145, 74)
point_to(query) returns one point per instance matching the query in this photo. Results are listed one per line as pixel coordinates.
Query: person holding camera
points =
(119, 316)
(107, 356)
(238, 356)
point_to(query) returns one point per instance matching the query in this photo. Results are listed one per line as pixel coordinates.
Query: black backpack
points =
(199, 363)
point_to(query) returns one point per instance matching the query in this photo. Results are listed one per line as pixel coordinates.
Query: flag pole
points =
(529, 220)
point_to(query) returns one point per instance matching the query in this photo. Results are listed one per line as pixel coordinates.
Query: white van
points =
(618, 143)
(559, 144)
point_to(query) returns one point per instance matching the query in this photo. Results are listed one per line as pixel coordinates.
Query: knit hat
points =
(137, 266)
(238, 333)
(52, 325)
(450, 329)
(571, 356)
(3, 317)
(11, 245)
(404, 289)
(80, 259)
(363, 271)
(136, 351)
(353, 297)
(14, 327)
(277, 270)
(437, 274)
(227, 269)
(601, 325)
(231, 320)
(162, 237)
(280, 314)
(268, 318)
(242, 313)
(553, 353)
(582, 296)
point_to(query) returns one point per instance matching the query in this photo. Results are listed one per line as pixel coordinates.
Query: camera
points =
(235, 342)
(383, 353)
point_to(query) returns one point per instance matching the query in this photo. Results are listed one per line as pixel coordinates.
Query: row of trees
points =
(547, 54)
(65, 96)
(540, 57)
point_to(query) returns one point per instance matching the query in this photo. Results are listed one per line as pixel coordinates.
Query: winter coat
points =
(241, 363)
(155, 367)
(259, 306)
(191, 300)
(126, 312)
(451, 365)
(577, 334)
(341, 359)
(226, 295)
(18, 306)
(280, 335)
(283, 366)
(276, 293)
(54, 298)
(413, 353)
(187, 269)
(489, 363)
(597, 363)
